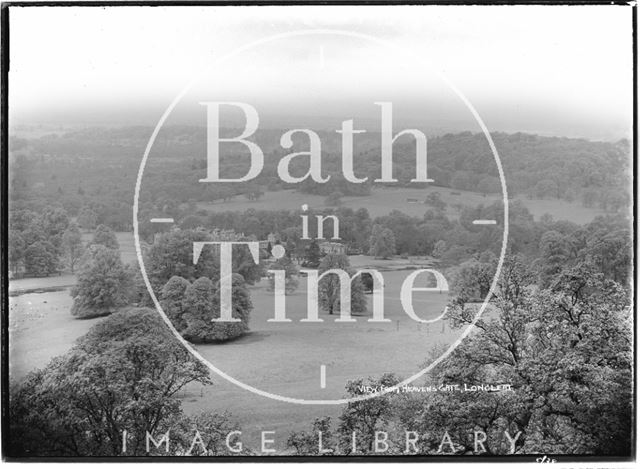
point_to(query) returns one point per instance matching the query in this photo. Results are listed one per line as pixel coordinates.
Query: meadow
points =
(40, 322)
(384, 200)
(269, 357)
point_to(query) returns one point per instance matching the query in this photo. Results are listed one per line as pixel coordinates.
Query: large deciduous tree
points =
(330, 288)
(103, 283)
(16, 250)
(290, 274)
(382, 243)
(105, 237)
(40, 259)
(123, 375)
(172, 254)
(202, 304)
(570, 391)
(172, 300)
(72, 245)
(565, 352)
(312, 255)
(87, 218)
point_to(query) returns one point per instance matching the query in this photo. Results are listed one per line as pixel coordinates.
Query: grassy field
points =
(383, 201)
(40, 322)
(40, 328)
(279, 358)
(285, 359)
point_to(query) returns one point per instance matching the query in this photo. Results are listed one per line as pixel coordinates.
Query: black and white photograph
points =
(317, 232)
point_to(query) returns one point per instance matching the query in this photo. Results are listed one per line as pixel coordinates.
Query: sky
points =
(552, 70)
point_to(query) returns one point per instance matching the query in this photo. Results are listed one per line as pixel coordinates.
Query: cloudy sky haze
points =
(552, 70)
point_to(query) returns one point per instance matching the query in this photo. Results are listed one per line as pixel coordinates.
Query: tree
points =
(434, 200)
(290, 272)
(312, 255)
(172, 300)
(545, 188)
(569, 389)
(555, 252)
(54, 221)
(103, 283)
(172, 254)
(244, 264)
(367, 282)
(472, 280)
(408, 237)
(549, 347)
(191, 221)
(382, 243)
(105, 237)
(124, 374)
(334, 199)
(610, 250)
(87, 218)
(33, 233)
(306, 443)
(16, 251)
(40, 259)
(330, 289)
(213, 428)
(439, 248)
(489, 185)
(19, 220)
(138, 293)
(198, 310)
(462, 180)
(363, 417)
(254, 193)
(72, 245)
(202, 304)
(290, 249)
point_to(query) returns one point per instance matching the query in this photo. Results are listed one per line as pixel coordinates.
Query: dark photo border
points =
(8, 7)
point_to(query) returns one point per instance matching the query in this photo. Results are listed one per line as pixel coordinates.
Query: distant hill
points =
(99, 165)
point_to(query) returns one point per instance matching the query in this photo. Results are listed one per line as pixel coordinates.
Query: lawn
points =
(40, 322)
(40, 328)
(382, 201)
(275, 357)
(285, 358)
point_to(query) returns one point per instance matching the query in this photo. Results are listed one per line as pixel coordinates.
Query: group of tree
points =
(290, 274)
(605, 243)
(330, 286)
(566, 350)
(382, 243)
(435, 200)
(171, 254)
(50, 167)
(104, 283)
(42, 243)
(450, 240)
(189, 292)
(560, 332)
(193, 307)
(120, 381)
